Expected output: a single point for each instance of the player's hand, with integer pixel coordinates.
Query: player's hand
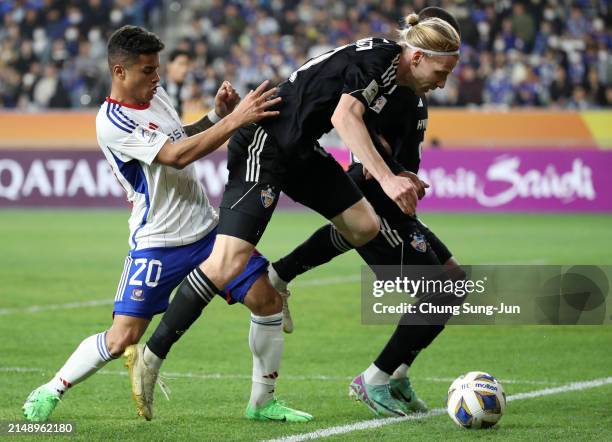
(401, 190)
(254, 107)
(418, 183)
(226, 99)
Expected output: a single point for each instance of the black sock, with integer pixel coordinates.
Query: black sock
(194, 293)
(405, 344)
(324, 245)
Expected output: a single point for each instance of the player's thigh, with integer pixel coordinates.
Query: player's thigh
(248, 286)
(253, 187)
(228, 259)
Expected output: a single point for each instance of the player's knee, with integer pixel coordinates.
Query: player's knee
(262, 299)
(224, 270)
(362, 231)
(267, 305)
(118, 340)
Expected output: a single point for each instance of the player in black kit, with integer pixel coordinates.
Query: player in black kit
(333, 90)
(397, 123)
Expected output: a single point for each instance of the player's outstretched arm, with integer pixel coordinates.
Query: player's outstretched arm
(253, 108)
(348, 121)
(226, 100)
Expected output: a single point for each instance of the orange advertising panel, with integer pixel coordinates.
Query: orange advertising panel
(448, 128)
(527, 129)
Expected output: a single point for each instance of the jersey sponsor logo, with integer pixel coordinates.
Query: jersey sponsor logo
(267, 197)
(418, 243)
(422, 124)
(420, 102)
(370, 92)
(147, 135)
(137, 295)
(379, 104)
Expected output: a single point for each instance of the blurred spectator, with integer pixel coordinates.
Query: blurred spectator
(560, 88)
(523, 25)
(514, 53)
(174, 81)
(471, 86)
(49, 92)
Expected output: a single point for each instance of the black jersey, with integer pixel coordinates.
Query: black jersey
(365, 69)
(400, 116)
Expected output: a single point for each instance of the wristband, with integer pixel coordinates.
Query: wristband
(213, 117)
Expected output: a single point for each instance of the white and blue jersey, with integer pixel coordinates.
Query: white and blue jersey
(170, 207)
(172, 225)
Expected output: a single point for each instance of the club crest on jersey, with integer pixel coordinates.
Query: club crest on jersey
(419, 243)
(137, 295)
(267, 197)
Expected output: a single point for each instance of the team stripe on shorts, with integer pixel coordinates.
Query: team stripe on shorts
(254, 149)
(124, 278)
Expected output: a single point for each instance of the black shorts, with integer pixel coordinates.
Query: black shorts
(438, 247)
(408, 243)
(258, 172)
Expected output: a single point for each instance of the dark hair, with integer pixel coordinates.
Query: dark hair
(177, 53)
(434, 11)
(128, 42)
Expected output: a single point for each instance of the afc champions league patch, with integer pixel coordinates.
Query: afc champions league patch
(267, 197)
(419, 243)
(379, 104)
(137, 295)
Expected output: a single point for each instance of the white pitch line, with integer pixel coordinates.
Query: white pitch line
(226, 376)
(375, 423)
(99, 302)
(49, 307)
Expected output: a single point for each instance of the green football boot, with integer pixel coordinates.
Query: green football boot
(276, 410)
(376, 397)
(40, 404)
(406, 396)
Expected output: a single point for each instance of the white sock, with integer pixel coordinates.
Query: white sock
(400, 372)
(89, 357)
(375, 376)
(266, 342)
(151, 359)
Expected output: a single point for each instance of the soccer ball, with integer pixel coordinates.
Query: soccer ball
(476, 400)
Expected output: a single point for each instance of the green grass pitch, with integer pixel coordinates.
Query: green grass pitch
(59, 257)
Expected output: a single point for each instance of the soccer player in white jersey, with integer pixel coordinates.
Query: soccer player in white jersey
(172, 227)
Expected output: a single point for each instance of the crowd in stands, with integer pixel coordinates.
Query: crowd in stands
(542, 53)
